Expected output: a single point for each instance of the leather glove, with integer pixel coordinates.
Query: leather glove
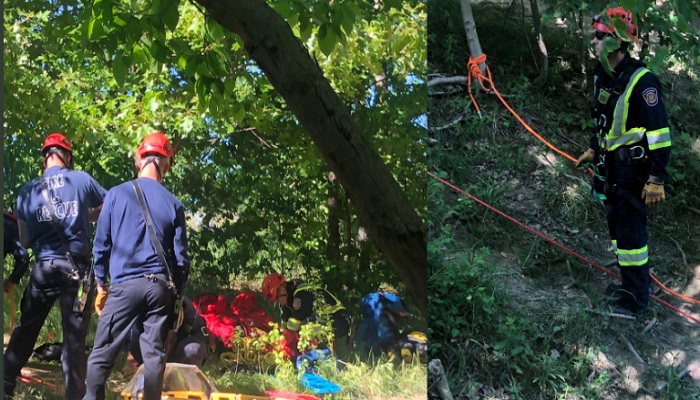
(100, 300)
(653, 193)
(587, 156)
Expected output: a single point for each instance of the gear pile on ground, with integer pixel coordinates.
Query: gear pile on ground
(224, 319)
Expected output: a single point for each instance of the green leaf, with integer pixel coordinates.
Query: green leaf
(91, 28)
(120, 67)
(499, 346)
(215, 30)
(139, 55)
(628, 4)
(238, 112)
(134, 28)
(118, 21)
(305, 29)
(171, 16)
(326, 39)
(348, 20)
(285, 9)
(215, 63)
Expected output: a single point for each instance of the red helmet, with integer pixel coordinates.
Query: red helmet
(57, 140)
(270, 285)
(155, 143)
(619, 13)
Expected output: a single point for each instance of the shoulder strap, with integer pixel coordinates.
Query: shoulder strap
(152, 233)
(56, 224)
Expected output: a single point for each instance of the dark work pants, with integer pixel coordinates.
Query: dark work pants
(48, 281)
(629, 226)
(137, 300)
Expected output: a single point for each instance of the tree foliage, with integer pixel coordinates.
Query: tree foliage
(106, 72)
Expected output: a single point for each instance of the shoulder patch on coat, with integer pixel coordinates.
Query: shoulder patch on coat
(651, 96)
(297, 303)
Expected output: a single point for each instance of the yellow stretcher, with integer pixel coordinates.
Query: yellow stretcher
(183, 382)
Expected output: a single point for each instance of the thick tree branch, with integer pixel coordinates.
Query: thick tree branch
(383, 207)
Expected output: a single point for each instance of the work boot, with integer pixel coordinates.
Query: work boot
(617, 307)
(614, 292)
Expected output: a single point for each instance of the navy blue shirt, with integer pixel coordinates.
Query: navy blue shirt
(73, 194)
(122, 247)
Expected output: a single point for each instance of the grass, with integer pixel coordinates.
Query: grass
(361, 377)
(381, 379)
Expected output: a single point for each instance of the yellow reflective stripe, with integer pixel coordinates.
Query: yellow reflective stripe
(617, 136)
(659, 139)
(633, 258)
(294, 324)
(622, 106)
(614, 244)
(634, 135)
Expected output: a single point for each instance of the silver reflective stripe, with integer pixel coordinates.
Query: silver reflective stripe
(633, 258)
(615, 137)
(659, 138)
(634, 135)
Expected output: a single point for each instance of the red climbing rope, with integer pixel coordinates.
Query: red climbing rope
(475, 73)
(552, 241)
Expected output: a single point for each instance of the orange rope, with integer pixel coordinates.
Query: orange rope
(679, 295)
(475, 73)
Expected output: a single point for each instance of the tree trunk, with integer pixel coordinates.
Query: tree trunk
(390, 218)
(472, 36)
(333, 241)
(363, 260)
(581, 42)
(544, 58)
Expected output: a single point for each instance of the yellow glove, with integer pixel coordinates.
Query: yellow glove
(100, 300)
(587, 156)
(653, 193)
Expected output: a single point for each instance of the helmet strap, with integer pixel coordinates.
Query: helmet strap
(152, 160)
(52, 152)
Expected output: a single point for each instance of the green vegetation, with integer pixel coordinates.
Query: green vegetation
(379, 379)
(510, 312)
(263, 192)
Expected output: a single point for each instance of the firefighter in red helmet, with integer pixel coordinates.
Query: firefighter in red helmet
(141, 266)
(53, 216)
(630, 149)
(303, 303)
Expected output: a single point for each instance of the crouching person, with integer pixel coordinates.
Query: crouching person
(191, 346)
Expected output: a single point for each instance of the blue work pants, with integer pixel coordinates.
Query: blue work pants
(629, 227)
(138, 300)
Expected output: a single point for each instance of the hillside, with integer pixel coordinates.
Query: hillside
(514, 316)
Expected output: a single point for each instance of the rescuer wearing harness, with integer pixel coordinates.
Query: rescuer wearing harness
(14, 247)
(53, 214)
(304, 303)
(141, 290)
(630, 148)
(193, 339)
